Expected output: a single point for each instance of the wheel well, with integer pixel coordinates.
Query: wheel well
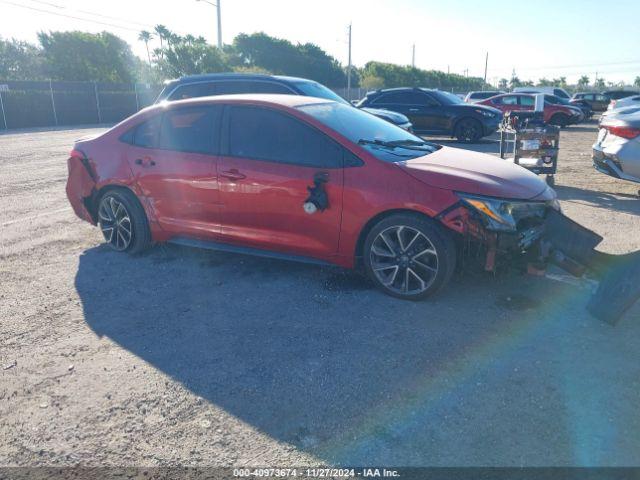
(94, 200)
(455, 125)
(374, 220)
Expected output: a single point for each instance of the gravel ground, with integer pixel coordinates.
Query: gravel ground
(187, 357)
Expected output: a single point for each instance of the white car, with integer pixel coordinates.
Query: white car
(632, 101)
(557, 91)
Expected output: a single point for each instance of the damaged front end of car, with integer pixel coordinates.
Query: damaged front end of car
(534, 234)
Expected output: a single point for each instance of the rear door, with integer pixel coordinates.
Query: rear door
(505, 103)
(173, 158)
(526, 102)
(424, 112)
(599, 103)
(270, 159)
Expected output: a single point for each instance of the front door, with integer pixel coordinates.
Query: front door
(270, 160)
(173, 158)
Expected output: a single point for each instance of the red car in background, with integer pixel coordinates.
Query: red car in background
(554, 114)
(309, 179)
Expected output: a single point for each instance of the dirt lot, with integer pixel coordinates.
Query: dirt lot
(200, 358)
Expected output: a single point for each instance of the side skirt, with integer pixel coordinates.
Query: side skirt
(257, 252)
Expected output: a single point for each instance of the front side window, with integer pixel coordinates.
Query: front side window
(192, 129)
(263, 134)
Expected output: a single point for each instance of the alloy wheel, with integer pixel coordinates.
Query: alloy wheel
(468, 130)
(115, 223)
(404, 260)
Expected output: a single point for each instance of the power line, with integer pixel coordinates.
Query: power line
(6, 2)
(94, 14)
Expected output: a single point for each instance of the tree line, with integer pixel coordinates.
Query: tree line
(104, 57)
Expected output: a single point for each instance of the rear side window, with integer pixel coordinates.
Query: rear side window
(192, 129)
(403, 98)
(262, 134)
(527, 101)
(510, 100)
(146, 134)
(193, 90)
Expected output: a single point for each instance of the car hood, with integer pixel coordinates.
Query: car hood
(395, 117)
(476, 106)
(475, 173)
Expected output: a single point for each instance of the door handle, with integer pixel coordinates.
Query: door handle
(145, 162)
(232, 174)
(414, 110)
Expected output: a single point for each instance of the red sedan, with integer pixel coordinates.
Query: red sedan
(303, 178)
(554, 114)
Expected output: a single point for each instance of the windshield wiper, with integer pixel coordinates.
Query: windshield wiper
(407, 144)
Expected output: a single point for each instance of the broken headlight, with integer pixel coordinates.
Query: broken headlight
(507, 215)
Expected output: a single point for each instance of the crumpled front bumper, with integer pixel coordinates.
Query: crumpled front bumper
(561, 241)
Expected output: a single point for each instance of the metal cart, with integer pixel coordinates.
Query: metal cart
(533, 144)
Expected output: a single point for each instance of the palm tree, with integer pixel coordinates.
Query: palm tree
(145, 37)
(162, 32)
(583, 81)
(636, 82)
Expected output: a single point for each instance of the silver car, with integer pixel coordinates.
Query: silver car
(630, 101)
(620, 112)
(617, 150)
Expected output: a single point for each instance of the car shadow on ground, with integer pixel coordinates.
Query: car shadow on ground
(617, 202)
(317, 358)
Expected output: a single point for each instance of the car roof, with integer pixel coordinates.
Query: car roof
(291, 101)
(235, 76)
(402, 89)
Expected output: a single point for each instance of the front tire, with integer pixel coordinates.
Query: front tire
(409, 256)
(468, 130)
(123, 222)
(559, 120)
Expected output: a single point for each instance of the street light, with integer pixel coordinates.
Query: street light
(217, 5)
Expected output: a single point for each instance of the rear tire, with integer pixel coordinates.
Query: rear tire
(468, 130)
(123, 221)
(409, 256)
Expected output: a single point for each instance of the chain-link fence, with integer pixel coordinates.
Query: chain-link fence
(25, 104)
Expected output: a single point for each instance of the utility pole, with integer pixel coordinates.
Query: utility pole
(413, 56)
(349, 68)
(217, 5)
(486, 64)
(219, 25)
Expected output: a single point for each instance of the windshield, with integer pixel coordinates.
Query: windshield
(556, 100)
(313, 89)
(447, 98)
(382, 139)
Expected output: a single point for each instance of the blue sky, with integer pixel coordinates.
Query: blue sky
(543, 38)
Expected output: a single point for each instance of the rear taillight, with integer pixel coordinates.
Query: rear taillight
(77, 154)
(624, 132)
